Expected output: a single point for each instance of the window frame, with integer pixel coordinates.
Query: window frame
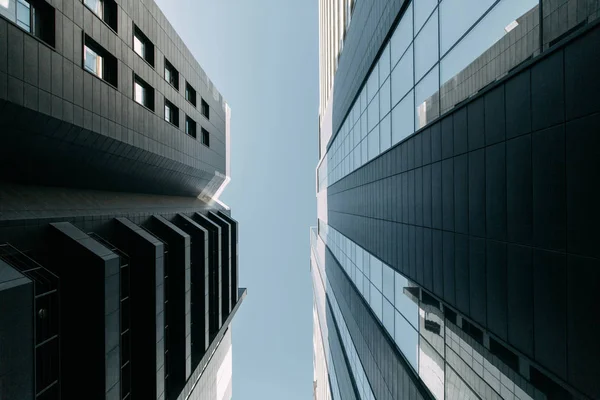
(173, 113)
(189, 122)
(190, 88)
(173, 73)
(205, 137)
(147, 94)
(205, 109)
(147, 50)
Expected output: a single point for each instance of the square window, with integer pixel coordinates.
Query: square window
(205, 138)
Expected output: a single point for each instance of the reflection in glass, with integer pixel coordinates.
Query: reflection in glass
(384, 64)
(373, 113)
(423, 9)
(92, 61)
(388, 317)
(372, 84)
(403, 121)
(456, 388)
(139, 46)
(402, 76)
(426, 47)
(454, 24)
(388, 283)
(384, 99)
(407, 339)
(431, 369)
(405, 302)
(376, 302)
(373, 139)
(376, 272)
(487, 32)
(402, 35)
(385, 133)
(24, 15)
(427, 99)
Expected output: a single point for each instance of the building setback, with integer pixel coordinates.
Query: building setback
(118, 263)
(455, 252)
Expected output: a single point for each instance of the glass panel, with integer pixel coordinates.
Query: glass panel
(24, 15)
(491, 29)
(403, 121)
(431, 323)
(423, 9)
(456, 388)
(402, 36)
(373, 84)
(139, 47)
(503, 39)
(376, 302)
(402, 77)
(454, 24)
(384, 64)
(427, 99)
(95, 6)
(363, 151)
(388, 317)
(405, 301)
(363, 125)
(376, 272)
(139, 93)
(426, 47)
(92, 61)
(431, 369)
(373, 113)
(388, 283)
(384, 99)
(407, 339)
(385, 133)
(167, 113)
(373, 143)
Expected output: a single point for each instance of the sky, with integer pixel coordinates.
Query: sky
(262, 55)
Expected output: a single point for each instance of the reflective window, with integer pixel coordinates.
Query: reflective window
(426, 47)
(143, 93)
(454, 24)
(24, 15)
(373, 83)
(423, 9)
(402, 36)
(388, 283)
(427, 99)
(385, 133)
(403, 121)
(384, 64)
(190, 126)
(388, 317)
(376, 302)
(373, 113)
(95, 6)
(402, 77)
(139, 46)
(491, 29)
(384, 99)
(376, 272)
(363, 125)
(373, 139)
(431, 369)
(92, 61)
(407, 339)
(405, 301)
(363, 151)
(205, 137)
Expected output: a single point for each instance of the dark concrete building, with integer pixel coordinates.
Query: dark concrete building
(118, 263)
(455, 255)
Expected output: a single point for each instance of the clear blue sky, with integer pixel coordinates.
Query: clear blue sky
(263, 57)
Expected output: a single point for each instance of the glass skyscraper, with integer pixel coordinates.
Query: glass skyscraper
(455, 252)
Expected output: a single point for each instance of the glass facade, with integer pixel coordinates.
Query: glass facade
(435, 59)
(451, 360)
